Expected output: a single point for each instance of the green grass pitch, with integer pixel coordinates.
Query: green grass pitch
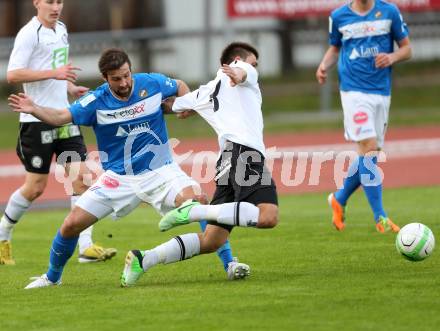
(305, 275)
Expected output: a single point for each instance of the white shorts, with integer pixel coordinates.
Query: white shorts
(120, 194)
(365, 116)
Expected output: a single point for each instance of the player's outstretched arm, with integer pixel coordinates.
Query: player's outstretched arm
(328, 61)
(167, 107)
(22, 103)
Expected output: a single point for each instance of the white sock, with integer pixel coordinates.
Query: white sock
(239, 214)
(177, 249)
(85, 237)
(204, 212)
(16, 207)
(5, 228)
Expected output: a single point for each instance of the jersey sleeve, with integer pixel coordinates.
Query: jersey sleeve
(24, 45)
(335, 36)
(83, 110)
(251, 72)
(185, 102)
(399, 28)
(168, 86)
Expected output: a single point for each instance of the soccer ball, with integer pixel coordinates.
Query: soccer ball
(415, 241)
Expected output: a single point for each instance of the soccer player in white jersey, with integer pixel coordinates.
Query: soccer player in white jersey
(131, 133)
(362, 36)
(39, 60)
(246, 194)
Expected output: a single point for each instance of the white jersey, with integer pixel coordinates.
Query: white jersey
(233, 112)
(39, 48)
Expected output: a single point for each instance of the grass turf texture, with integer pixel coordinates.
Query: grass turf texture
(305, 275)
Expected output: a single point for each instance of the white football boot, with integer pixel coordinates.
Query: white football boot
(237, 270)
(41, 281)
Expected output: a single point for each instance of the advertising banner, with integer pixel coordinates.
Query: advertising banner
(302, 8)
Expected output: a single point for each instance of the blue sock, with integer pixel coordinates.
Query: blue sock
(351, 183)
(372, 183)
(224, 252)
(61, 251)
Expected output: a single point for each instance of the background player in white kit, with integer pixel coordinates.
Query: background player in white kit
(246, 194)
(362, 36)
(39, 60)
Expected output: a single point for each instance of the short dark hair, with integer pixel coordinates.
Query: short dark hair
(243, 50)
(112, 59)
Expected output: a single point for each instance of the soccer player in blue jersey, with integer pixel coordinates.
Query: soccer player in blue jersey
(362, 36)
(128, 121)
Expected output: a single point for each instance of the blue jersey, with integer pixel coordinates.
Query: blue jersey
(360, 39)
(131, 135)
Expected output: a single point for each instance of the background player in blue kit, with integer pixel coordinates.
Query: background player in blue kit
(127, 118)
(362, 36)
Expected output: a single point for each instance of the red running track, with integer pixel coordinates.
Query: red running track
(404, 167)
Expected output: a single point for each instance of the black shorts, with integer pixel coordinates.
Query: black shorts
(242, 176)
(38, 142)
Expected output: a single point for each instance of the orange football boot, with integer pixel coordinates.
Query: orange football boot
(386, 225)
(338, 212)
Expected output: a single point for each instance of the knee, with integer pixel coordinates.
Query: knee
(34, 191)
(70, 226)
(210, 244)
(368, 146)
(268, 219)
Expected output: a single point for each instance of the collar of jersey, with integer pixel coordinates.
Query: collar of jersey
(362, 15)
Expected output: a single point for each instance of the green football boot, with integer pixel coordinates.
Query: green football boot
(178, 216)
(133, 268)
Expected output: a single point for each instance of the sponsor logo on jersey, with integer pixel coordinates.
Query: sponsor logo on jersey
(60, 57)
(109, 182)
(365, 29)
(128, 112)
(137, 110)
(360, 117)
(364, 52)
(128, 129)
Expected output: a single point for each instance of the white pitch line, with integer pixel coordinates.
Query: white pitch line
(394, 149)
